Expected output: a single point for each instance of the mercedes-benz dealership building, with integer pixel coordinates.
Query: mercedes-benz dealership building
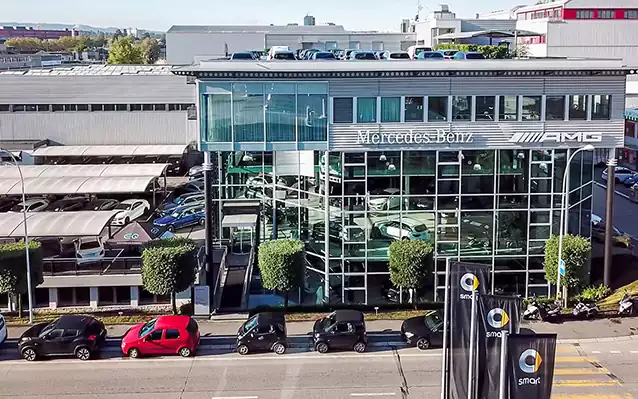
(351, 156)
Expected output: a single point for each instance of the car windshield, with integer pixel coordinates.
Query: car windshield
(400, 56)
(474, 56)
(250, 324)
(147, 327)
(124, 207)
(432, 55)
(90, 245)
(433, 321)
(324, 56)
(176, 214)
(420, 228)
(284, 56)
(365, 56)
(449, 53)
(242, 56)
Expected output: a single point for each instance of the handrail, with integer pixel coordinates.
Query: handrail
(248, 278)
(219, 287)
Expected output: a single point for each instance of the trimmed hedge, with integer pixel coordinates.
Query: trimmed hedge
(282, 265)
(410, 263)
(13, 267)
(329, 308)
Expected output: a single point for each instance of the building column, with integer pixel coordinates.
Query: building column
(53, 298)
(135, 296)
(93, 297)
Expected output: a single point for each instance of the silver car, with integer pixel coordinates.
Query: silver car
(388, 199)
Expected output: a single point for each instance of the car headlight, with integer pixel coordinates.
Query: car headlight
(409, 334)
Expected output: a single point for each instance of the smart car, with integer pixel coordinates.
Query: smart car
(423, 331)
(342, 329)
(165, 335)
(263, 332)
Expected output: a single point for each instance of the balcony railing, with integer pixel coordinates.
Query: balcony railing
(71, 267)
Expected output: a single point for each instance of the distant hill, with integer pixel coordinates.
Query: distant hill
(86, 28)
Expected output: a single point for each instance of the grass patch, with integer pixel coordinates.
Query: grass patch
(611, 302)
(369, 316)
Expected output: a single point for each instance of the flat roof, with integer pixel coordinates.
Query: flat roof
(76, 185)
(239, 221)
(496, 34)
(120, 170)
(109, 150)
(395, 68)
(56, 224)
(93, 70)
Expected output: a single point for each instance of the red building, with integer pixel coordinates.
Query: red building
(11, 32)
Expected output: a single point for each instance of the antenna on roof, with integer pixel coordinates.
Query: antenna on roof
(419, 7)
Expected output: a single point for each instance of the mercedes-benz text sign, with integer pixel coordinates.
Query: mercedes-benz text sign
(556, 137)
(439, 136)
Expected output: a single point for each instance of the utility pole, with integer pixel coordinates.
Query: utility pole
(609, 214)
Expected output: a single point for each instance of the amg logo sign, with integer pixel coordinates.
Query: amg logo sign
(556, 137)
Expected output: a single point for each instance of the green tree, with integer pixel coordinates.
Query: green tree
(13, 269)
(282, 265)
(410, 265)
(125, 51)
(29, 44)
(150, 50)
(576, 251)
(169, 266)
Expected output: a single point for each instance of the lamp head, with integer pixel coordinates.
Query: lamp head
(588, 147)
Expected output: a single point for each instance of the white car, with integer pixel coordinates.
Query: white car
(404, 229)
(622, 174)
(389, 199)
(31, 205)
(89, 249)
(3, 330)
(130, 210)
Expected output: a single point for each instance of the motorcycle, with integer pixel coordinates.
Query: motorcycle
(533, 311)
(626, 305)
(583, 309)
(553, 312)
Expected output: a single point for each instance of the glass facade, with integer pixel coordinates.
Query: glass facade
(495, 207)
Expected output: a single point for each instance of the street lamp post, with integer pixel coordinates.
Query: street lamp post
(26, 235)
(563, 216)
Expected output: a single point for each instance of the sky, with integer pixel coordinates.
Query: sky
(160, 15)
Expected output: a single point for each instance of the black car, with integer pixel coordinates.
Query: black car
(79, 336)
(261, 333)
(342, 329)
(101, 205)
(423, 331)
(7, 203)
(68, 205)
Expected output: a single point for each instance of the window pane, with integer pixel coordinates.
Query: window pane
(83, 107)
(578, 107)
(248, 111)
(109, 107)
(476, 233)
(531, 108)
(390, 109)
(366, 109)
(343, 109)
(280, 112)
(555, 108)
(147, 107)
(172, 334)
(511, 232)
(437, 109)
(56, 107)
(312, 118)
(508, 108)
(218, 118)
(414, 109)
(461, 108)
(485, 107)
(158, 107)
(601, 107)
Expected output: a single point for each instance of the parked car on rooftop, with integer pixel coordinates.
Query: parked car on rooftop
(7, 203)
(68, 204)
(430, 55)
(242, 56)
(414, 51)
(395, 55)
(101, 205)
(323, 55)
(130, 210)
(284, 56)
(468, 55)
(448, 54)
(360, 55)
(182, 217)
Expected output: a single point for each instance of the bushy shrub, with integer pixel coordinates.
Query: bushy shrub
(410, 264)
(492, 52)
(282, 265)
(576, 251)
(595, 293)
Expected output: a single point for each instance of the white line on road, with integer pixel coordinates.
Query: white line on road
(596, 352)
(235, 397)
(633, 351)
(374, 394)
(615, 352)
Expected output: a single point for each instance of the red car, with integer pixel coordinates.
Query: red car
(165, 335)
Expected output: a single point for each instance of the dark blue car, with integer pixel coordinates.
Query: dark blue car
(182, 217)
(188, 199)
(630, 181)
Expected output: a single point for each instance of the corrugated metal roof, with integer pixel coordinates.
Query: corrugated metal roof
(92, 70)
(109, 150)
(402, 66)
(56, 224)
(292, 29)
(29, 171)
(76, 185)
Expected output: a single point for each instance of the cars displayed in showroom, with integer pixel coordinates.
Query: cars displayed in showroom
(183, 200)
(130, 210)
(620, 174)
(182, 217)
(164, 335)
(263, 332)
(342, 329)
(386, 199)
(101, 205)
(335, 231)
(68, 335)
(31, 205)
(403, 229)
(424, 331)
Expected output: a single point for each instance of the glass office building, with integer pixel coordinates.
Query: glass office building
(349, 157)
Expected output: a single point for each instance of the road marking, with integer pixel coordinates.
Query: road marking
(633, 351)
(596, 352)
(581, 371)
(575, 359)
(235, 397)
(374, 394)
(585, 383)
(615, 352)
(592, 396)
(566, 349)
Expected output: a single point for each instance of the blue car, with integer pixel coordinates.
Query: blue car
(630, 181)
(182, 217)
(184, 200)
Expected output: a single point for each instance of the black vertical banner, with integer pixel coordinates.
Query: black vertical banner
(531, 365)
(497, 314)
(464, 279)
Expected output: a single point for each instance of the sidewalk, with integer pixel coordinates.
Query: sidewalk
(584, 331)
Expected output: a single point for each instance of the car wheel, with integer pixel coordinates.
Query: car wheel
(134, 353)
(321, 347)
(242, 350)
(279, 348)
(405, 239)
(185, 352)
(202, 221)
(617, 180)
(360, 347)
(170, 228)
(83, 353)
(423, 344)
(29, 354)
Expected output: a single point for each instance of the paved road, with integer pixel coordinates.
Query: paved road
(624, 210)
(590, 371)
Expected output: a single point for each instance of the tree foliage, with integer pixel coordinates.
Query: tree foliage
(169, 266)
(410, 263)
(65, 43)
(493, 52)
(13, 267)
(576, 251)
(282, 265)
(150, 49)
(124, 51)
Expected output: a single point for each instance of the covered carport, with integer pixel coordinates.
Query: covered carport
(56, 224)
(491, 34)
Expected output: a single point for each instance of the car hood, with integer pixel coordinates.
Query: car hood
(164, 220)
(34, 331)
(132, 334)
(120, 215)
(169, 206)
(378, 201)
(414, 324)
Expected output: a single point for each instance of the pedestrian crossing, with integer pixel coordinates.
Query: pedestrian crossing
(579, 375)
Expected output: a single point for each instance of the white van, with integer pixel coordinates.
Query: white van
(276, 49)
(89, 249)
(414, 51)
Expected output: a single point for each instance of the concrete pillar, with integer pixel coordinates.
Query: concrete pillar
(135, 296)
(53, 298)
(93, 297)
(13, 303)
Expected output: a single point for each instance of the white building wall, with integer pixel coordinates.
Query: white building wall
(594, 4)
(427, 31)
(182, 48)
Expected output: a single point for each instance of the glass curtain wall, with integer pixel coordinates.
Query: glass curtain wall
(486, 206)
